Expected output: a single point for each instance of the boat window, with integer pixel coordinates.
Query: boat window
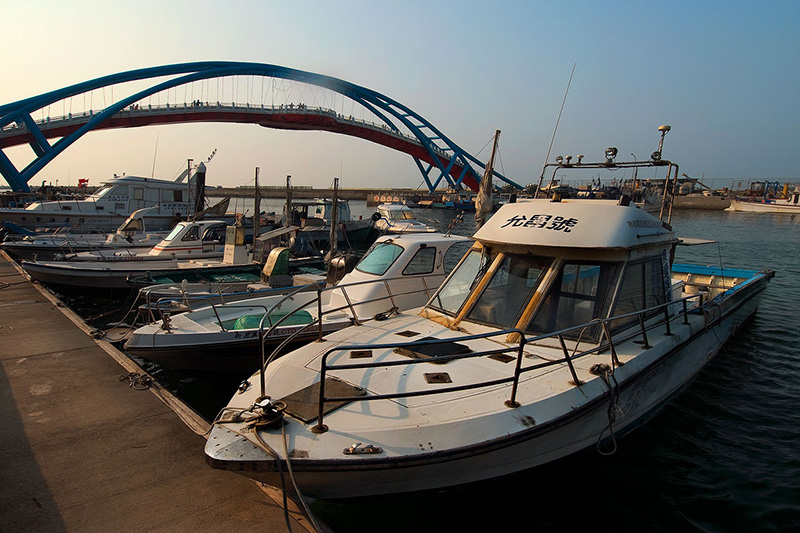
(192, 235)
(138, 193)
(422, 262)
(512, 285)
(452, 294)
(214, 233)
(173, 195)
(580, 294)
(102, 192)
(454, 254)
(379, 258)
(403, 214)
(174, 233)
(642, 287)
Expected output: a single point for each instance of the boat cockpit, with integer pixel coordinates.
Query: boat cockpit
(539, 289)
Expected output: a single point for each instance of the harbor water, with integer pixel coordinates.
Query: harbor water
(724, 455)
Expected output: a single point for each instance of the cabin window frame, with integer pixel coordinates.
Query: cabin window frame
(654, 281)
(494, 275)
(372, 249)
(485, 260)
(552, 298)
(432, 260)
(192, 234)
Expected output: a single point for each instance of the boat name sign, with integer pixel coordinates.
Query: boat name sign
(540, 221)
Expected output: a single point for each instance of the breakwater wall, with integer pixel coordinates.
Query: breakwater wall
(372, 196)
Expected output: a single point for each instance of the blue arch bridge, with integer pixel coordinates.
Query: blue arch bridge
(268, 95)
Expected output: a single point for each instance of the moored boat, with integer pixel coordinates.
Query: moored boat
(110, 205)
(397, 273)
(133, 234)
(196, 239)
(788, 205)
(564, 326)
(399, 218)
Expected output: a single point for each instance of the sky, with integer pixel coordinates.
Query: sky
(723, 74)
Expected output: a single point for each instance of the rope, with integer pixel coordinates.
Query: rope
(103, 334)
(606, 372)
(272, 453)
(309, 514)
(252, 424)
(137, 381)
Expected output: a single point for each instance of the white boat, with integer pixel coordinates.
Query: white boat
(563, 327)
(399, 218)
(396, 273)
(133, 234)
(109, 206)
(190, 246)
(791, 204)
(193, 239)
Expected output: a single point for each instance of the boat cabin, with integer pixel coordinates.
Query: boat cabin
(411, 266)
(126, 194)
(192, 237)
(542, 266)
(318, 212)
(399, 218)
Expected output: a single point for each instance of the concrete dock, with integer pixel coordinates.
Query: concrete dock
(82, 450)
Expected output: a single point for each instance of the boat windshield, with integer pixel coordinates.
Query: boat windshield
(102, 192)
(403, 214)
(505, 297)
(454, 291)
(174, 233)
(379, 258)
(580, 294)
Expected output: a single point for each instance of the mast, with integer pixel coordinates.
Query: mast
(287, 218)
(334, 219)
(257, 213)
(483, 203)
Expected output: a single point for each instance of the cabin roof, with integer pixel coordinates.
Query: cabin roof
(430, 239)
(141, 179)
(574, 224)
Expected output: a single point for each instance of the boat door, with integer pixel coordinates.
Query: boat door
(137, 199)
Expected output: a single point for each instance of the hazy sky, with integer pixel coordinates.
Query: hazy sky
(723, 74)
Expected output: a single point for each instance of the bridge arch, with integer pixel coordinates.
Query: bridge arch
(398, 126)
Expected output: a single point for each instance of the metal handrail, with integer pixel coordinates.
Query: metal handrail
(324, 367)
(629, 332)
(320, 313)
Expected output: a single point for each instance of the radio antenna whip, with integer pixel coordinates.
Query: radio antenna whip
(553, 138)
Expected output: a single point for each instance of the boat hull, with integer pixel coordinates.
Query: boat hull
(239, 354)
(644, 387)
(759, 207)
(107, 222)
(106, 277)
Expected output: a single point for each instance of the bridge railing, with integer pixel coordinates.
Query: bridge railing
(149, 109)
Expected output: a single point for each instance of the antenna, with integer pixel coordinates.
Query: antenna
(553, 138)
(152, 174)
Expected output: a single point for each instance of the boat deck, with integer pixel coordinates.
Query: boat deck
(81, 450)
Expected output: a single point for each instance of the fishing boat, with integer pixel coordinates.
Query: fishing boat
(187, 240)
(787, 202)
(397, 273)
(191, 247)
(564, 326)
(133, 234)
(399, 218)
(111, 204)
(314, 219)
